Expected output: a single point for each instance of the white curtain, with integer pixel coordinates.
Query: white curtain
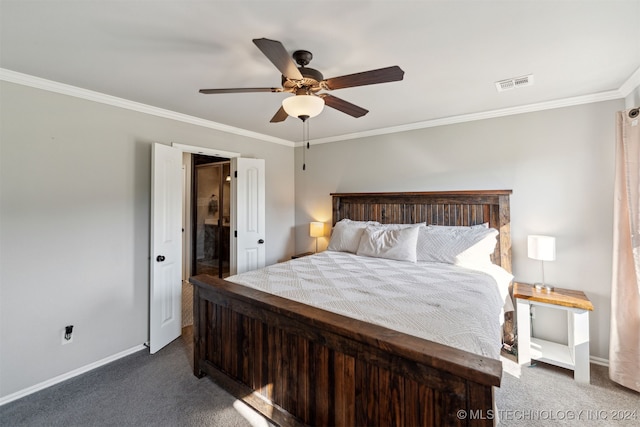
(624, 348)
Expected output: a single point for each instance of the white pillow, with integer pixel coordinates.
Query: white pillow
(398, 243)
(346, 234)
(453, 245)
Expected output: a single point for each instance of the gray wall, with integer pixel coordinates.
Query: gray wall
(559, 164)
(74, 226)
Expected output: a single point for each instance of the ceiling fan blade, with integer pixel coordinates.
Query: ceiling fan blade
(241, 90)
(344, 106)
(278, 55)
(381, 75)
(280, 116)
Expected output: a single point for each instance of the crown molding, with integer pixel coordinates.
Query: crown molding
(27, 80)
(65, 89)
(547, 105)
(631, 84)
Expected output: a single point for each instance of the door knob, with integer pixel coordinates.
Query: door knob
(261, 241)
(160, 258)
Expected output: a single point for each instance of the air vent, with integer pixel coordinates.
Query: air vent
(514, 83)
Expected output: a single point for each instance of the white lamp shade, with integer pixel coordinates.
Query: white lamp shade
(303, 105)
(541, 247)
(316, 229)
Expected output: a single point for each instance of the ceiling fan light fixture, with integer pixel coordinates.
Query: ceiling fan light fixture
(303, 105)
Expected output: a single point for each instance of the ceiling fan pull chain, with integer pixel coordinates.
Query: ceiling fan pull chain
(305, 141)
(304, 154)
(307, 123)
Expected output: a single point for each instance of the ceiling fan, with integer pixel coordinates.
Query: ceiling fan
(306, 82)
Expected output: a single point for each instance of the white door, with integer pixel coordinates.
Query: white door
(165, 316)
(248, 229)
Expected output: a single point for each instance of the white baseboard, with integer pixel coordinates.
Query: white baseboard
(60, 378)
(599, 361)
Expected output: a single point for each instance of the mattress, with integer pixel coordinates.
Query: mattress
(449, 304)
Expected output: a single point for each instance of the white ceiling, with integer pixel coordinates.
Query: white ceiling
(160, 53)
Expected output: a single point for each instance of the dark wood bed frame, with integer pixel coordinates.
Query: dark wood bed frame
(301, 365)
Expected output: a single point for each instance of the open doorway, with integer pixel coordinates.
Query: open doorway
(210, 215)
(206, 222)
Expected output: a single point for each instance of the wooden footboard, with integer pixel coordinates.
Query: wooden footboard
(300, 365)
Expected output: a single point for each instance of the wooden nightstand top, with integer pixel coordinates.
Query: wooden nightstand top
(558, 296)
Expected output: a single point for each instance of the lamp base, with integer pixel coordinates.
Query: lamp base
(543, 287)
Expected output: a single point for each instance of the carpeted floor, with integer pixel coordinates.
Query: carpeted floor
(138, 390)
(544, 395)
(160, 390)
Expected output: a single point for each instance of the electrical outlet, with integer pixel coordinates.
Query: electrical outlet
(67, 334)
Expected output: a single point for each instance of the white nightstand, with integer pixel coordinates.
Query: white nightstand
(573, 356)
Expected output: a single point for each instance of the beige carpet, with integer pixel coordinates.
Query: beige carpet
(544, 395)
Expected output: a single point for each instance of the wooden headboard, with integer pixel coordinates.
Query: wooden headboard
(433, 207)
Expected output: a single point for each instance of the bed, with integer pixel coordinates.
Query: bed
(299, 364)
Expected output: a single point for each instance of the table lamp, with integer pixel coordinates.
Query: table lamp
(316, 229)
(542, 248)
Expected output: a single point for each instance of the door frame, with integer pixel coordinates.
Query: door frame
(186, 197)
(214, 152)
